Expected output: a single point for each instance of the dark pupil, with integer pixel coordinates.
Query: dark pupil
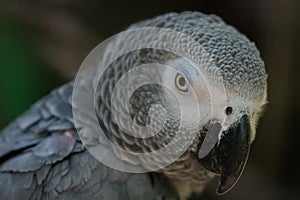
(228, 110)
(181, 81)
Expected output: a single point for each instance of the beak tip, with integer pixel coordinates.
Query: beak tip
(221, 191)
(225, 185)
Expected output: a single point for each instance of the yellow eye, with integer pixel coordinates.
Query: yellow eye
(181, 82)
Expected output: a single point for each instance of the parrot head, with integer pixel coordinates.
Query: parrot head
(214, 103)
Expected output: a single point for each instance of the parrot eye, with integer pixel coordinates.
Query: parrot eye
(228, 110)
(181, 83)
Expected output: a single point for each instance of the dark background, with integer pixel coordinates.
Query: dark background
(43, 42)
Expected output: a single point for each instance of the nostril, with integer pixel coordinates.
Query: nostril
(228, 110)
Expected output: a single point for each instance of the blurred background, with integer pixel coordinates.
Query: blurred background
(43, 42)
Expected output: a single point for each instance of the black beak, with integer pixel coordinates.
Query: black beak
(228, 158)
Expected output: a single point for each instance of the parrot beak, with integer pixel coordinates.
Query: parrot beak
(229, 156)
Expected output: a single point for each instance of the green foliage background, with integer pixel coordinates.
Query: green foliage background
(23, 78)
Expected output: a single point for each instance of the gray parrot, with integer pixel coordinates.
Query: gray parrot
(43, 156)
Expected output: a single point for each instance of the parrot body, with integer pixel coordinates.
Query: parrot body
(43, 157)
